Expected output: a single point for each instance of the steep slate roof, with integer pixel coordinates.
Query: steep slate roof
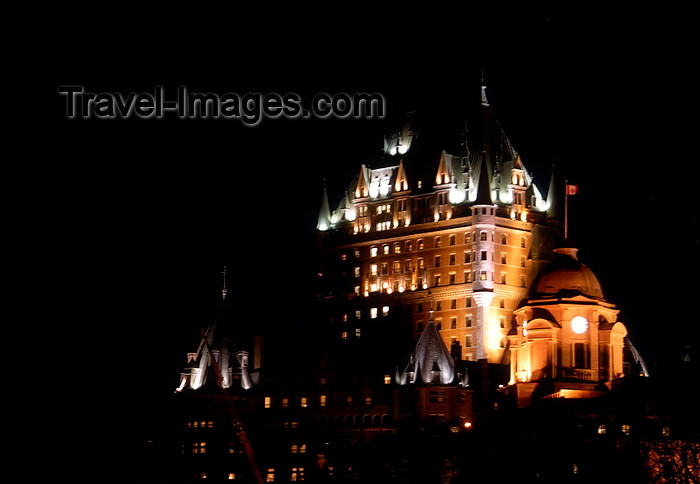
(430, 362)
(230, 345)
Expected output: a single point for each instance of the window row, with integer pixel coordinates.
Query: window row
(295, 474)
(437, 280)
(409, 265)
(438, 242)
(327, 400)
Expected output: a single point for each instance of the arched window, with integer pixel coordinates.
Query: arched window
(483, 236)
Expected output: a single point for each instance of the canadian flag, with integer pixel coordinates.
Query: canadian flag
(571, 189)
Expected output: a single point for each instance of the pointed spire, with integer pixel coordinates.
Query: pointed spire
(362, 188)
(552, 205)
(401, 183)
(484, 101)
(223, 289)
(483, 195)
(443, 173)
(324, 214)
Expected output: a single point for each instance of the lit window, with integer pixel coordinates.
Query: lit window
(356, 253)
(368, 399)
(304, 402)
(385, 249)
(297, 474)
(387, 379)
(438, 242)
(625, 429)
(373, 251)
(357, 272)
(358, 314)
(397, 248)
(294, 449)
(358, 332)
(285, 402)
(270, 477)
(602, 429)
(467, 237)
(231, 476)
(268, 402)
(467, 276)
(373, 269)
(482, 275)
(483, 235)
(373, 313)
(322, 400)
(199, 447)
(420, 244)
(344, 335)
(385, 310)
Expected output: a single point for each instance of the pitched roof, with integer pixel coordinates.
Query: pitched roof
(430, 362)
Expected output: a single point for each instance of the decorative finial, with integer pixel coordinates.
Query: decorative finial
(484, 101)
(223, 289)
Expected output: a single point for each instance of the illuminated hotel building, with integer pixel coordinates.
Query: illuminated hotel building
(464, 240)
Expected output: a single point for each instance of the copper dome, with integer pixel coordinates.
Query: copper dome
(566, 275)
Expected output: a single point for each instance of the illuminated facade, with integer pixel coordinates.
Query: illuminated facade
(464, 241)
(566, 342)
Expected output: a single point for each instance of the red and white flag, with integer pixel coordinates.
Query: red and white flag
(571, 189)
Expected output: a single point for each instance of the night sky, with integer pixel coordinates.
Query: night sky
(129, 222)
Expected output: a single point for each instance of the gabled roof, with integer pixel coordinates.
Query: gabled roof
(324, 214)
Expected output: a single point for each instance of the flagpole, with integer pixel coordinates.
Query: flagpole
(566, 209)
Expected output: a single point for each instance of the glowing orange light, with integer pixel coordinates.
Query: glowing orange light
(467, 425)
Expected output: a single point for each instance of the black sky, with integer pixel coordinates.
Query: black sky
(130, 221)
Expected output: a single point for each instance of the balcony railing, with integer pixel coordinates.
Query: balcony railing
(579, 373)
